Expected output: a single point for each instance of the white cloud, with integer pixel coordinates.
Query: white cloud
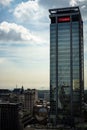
(5, 2)
(36, 11)
(73, 2)
(81, 3)
(16, 33)
(29, 11)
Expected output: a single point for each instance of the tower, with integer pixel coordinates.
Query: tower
(66, 64)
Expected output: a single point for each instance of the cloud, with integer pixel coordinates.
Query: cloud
(5, 2)
(11, 32)
(73, 2)
(76, 2)
(81, 3)
(35, 17)
(36, 11)
(30, 11)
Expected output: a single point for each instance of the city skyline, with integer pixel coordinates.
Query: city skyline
(24, 41)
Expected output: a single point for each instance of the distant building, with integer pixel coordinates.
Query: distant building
(30, 98)
(43, 94)
(66, 64)
(9, 116)
(4, 95)
(47, 96)
(17, 95)
(18, 90)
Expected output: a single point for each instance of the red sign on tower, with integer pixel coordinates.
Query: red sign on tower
(64, 19)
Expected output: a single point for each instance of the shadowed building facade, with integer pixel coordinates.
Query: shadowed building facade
(9, 116)
(66, 64)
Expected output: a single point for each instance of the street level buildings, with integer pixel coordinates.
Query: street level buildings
(66, 64)
(9, 116)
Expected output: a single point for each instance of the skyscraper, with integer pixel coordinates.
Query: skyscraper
(66, 64)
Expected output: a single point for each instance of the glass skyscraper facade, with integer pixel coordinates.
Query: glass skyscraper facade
(66, 64)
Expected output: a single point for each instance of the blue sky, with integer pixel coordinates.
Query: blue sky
(24, 41)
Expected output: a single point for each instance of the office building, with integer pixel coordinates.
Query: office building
(46, 96)
(9, 116)
(4, 95)
(30, 98)
(66, 64)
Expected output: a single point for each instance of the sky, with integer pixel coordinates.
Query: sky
(24, 41)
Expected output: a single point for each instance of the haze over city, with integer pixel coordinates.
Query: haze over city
(25, 42)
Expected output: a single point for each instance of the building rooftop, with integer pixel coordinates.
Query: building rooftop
(5, 91)
(64, 10)
(7, 103)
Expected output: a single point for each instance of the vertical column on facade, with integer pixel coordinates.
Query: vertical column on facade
(71, 70)
(56, 69)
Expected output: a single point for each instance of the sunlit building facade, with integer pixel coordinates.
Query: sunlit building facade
(30, 98)
(66, 64)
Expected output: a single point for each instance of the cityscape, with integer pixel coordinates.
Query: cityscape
(28, 109)
(53, 97)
